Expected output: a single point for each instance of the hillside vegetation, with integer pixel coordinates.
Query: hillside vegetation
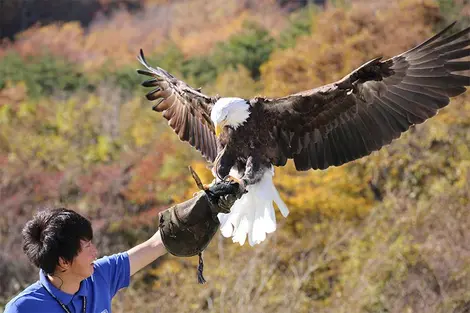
(386, 233)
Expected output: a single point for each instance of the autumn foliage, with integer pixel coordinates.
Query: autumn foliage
(386, 233)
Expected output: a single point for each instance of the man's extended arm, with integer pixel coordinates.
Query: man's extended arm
(145, 253)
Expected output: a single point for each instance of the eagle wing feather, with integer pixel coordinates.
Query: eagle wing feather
(340, 122)
(186, 109)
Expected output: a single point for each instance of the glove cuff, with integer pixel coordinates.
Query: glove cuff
(187, 228)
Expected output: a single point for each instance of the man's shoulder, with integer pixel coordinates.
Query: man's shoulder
(104, 263)
(27, 300)
(112, 270)
(118, 257)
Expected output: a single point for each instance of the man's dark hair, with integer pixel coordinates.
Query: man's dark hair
(52, 234)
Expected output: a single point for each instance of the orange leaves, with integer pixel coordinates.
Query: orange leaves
(64, 40)
(335, 49)
(162, 175)
(119, 39)
(145, 181)
(195, 26)
(201, 38)
(12, 94)
(199, 24)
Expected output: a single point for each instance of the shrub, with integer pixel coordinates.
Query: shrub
(42, 74)
(300, 23)
(250, 48)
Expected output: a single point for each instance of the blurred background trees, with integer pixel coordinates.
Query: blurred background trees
(387, 233)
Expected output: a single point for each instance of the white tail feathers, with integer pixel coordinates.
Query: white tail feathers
(253, 214)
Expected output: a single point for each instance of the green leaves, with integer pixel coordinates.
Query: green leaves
(42, 74)
(300, 23)
(199, 71)
(250, 48)
(126, 77)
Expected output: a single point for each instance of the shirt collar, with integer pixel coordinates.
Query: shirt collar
(83, 291)
(64, 297)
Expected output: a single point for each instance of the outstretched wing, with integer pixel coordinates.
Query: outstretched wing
(368, 108)
(186, 109)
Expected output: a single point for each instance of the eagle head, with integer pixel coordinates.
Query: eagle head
(231, 112)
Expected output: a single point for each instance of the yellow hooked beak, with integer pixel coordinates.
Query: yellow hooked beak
(219, 128)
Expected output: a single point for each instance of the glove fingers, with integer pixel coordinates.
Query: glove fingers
(224, 188)
(226, 202)
(224, 206)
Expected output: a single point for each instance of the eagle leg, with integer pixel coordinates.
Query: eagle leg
(254, 171)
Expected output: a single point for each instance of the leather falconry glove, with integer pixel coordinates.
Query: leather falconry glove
(187, 228)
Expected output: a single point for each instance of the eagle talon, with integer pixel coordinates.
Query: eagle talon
(231, 179)
(241, 182)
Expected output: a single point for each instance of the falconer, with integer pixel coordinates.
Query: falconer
(71, 277)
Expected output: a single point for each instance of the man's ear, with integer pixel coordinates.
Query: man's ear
(63, 264)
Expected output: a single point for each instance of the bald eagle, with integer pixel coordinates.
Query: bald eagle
(245, 139)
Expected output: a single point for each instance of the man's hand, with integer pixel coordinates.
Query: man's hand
(222, 194)
(187, 228)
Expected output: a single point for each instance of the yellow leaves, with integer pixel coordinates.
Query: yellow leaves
(289, 71)
(463, 172)
(66, 114)
(200, 167)
(149, 125)
(235, 83)
(204, 173)
(100, 152)
(418, 10)
(92, 102)
(26, 109)
(142, 134)
(379, 256)
(457, 112)
(171, 266)
(335, 192)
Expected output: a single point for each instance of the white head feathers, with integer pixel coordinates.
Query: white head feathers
(231, 112)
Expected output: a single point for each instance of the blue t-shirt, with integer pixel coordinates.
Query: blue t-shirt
(110, 274)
